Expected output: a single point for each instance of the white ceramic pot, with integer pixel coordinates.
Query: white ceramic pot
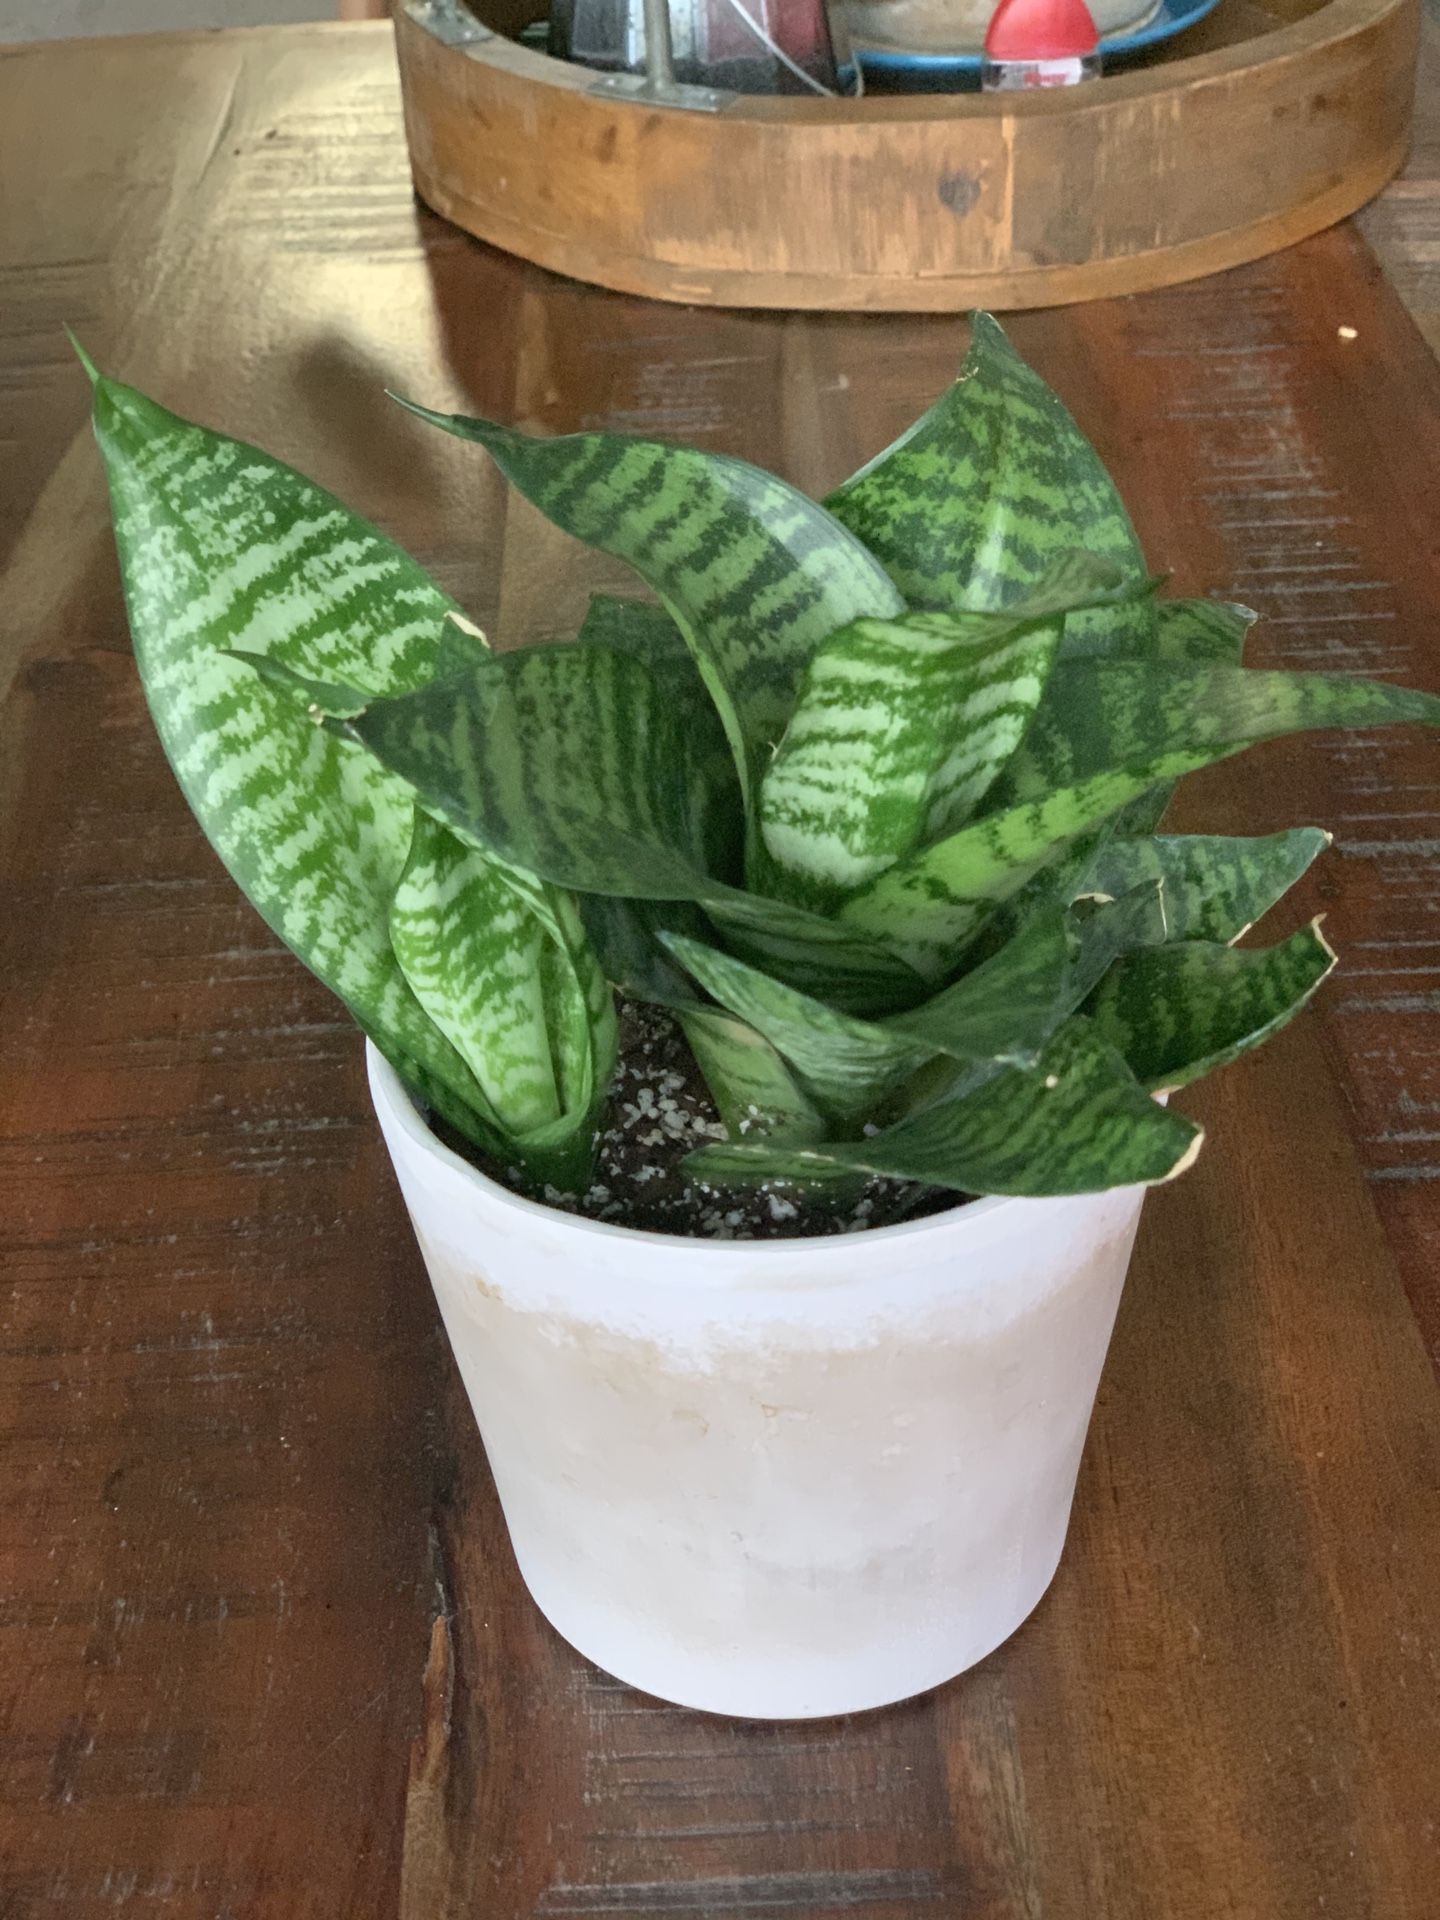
(778, 1479)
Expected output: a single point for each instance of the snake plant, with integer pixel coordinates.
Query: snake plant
(866, 795)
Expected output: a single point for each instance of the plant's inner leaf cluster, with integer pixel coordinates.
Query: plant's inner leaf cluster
(867, 801)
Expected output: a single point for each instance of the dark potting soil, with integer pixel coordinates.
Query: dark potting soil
(661, 1110)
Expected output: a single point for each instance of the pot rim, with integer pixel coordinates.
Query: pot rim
(386, 1085)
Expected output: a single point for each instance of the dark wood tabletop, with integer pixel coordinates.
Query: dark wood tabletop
(263, 1648)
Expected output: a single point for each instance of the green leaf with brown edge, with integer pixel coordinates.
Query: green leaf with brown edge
(1076, 1122)
(1215, 885)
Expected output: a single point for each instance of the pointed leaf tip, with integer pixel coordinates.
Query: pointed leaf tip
(83, 357)
(432, 416)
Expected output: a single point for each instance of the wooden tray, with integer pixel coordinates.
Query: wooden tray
(1277, 120)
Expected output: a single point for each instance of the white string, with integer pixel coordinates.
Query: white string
(784, 58)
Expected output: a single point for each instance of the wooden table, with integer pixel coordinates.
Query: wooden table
(263, 1647)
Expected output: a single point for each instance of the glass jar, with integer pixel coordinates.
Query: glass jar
(740, 46)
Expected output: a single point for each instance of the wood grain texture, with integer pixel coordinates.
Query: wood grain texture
(1403, 225)
(263, 1649)
(918, 203)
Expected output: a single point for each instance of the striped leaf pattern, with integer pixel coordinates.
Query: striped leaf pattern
(1113, 729)
(755, 574)
(1106, 731)
(926, 909)
(972, 503)
(1213, 886)
(926, 930)
(647, 632)
(518, 994)
(754, 1091)
(466, 942)
(1175, 1013)
(1104, 930)
(853, 970)
(1002, 1012)
(1187, 633)
(524, 765)
(1099, 714)
(1076, 1121)
(901, 726)
(222, 548)
(1199, 633)
(634, 626)
(577, 764)
(1007, 1007)
(847, 1065)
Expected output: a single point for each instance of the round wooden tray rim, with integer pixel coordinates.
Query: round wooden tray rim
(1297, 40)
(914, 203)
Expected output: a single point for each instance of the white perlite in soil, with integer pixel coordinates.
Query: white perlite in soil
(661, 1110)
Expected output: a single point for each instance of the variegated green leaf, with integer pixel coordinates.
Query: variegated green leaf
(928, 907)
(1178, 1012)
(1076, 1122)
(634, 626)
(972, 503)
(1103, 930)
(1201, 632)
(1006, 1008)
(525, 1006)
(1106, 731)
(460, 647)
(1185, 632)
(592, 781)
(841, 964)
(578, 764)
(755, 1093)
(901, 726)
(649, 634)
(755, 574)
(222, 547)
(517, 993)
(625, 936)
(1193, 633)
(847, 1065)
(1215, 886)
(1004, 1011)
(1100, 714)
(753, 1089)
(471, 951)
(579, 1010)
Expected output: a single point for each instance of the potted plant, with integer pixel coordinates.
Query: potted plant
(781, 1285)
